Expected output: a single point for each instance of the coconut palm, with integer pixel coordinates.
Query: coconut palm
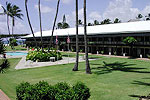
(40, 23)
(96, 22)
(77, 44)
(26, 7)
(88, 69)
(51, 39)
(15, 13)
(117, 20)
(7, 12)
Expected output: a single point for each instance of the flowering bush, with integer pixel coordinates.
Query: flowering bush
(42, 56)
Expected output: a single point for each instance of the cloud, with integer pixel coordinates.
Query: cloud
(66, 1)
(124, 10)
(44, 9)
(94, 16)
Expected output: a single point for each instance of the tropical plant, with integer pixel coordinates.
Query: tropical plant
(90, 24)
(117, 20)
(77, 40)
(2, 48)
(148, 17)
(51, 38)
(26, 7)
(12, 43)
(139, 16)
(88, 69)
(4, 65)
(80, 23)
(130, 41)
(96, 22)
(7, 11)
(106, 21)
(42, 56)
(63, 24)
(60, 91)
(39, 3)
(15, 13)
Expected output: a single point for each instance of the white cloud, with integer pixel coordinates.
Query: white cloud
(94, 16)
(124, 10)
(121, 9)
(66, 1)
(44, 9)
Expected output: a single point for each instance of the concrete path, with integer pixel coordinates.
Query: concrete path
(23, 64)
(3, 96)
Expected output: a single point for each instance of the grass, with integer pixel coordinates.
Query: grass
(19, 47)
(111, 78)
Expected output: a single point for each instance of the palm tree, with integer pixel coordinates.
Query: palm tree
(80, 22)
(139, 16)
(148, 17)
(117, 20)
(96, 22)
(7, 12)
(15, 13)
(59, 25)
(26, 7)
(88, 69)
(40, 24)
(51, 39)
(77, 44)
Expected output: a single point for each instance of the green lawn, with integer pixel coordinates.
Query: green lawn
(19, 47)
(112, 78)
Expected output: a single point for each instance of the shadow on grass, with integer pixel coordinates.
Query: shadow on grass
(117, 66)
(141, 83)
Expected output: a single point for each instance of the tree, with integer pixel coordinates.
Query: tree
(139, 16)
(117, 20)
(77, 40)
(148, 17)
(88, 69)
(63, 24)
(90, 24)
(130, 41)
(2, 48)
(80, 23)
(12, 43)
(51, 39)
(106, 21)
(59, 25)
(26, 7)
(7, 12)
(39, 3)
(96, 22)
(15, 13)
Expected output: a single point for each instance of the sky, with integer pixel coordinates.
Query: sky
(96, 10)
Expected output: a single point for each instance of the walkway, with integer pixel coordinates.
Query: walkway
(23, 64)
(3, 96)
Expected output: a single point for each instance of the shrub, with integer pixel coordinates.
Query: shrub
(44, 91)
(42, 56)
(81, 91)
(4, 65)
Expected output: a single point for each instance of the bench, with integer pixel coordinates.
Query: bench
(52, 59)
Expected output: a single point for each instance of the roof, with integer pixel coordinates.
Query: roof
(118, 28)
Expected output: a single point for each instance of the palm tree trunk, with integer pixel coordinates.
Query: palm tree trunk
(40, 25)
(30, 23)
(88, 69)
(13, 27)
(8, 27)
(8, 24)
(51, 39)
(77, 46)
